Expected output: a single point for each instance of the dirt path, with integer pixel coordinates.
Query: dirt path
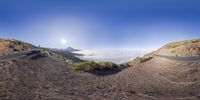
(16, 55)
(181, 58)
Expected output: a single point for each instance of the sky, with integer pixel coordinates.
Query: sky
(100, 24)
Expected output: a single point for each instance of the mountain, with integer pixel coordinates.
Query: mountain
(45, 75)
(67, 54)
(71, 49)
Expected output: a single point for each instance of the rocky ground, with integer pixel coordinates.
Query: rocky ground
(8, 46)
(181, 48)
(43, 77)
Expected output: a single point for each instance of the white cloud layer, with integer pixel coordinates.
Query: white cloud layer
(116, 56)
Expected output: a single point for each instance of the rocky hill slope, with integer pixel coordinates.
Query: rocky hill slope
(8, 46)
(181, 48)
(37, 76)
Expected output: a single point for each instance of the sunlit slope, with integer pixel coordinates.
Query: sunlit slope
(188, 48)
(13, 46)
(161, 78)
(181, 48)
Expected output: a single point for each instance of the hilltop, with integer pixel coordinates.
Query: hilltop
(46, 75)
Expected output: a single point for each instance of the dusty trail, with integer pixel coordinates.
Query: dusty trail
(181, 58)
(159, 78)
(155, 79)
(17, 55)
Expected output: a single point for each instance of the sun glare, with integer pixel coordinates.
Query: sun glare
(63, 41)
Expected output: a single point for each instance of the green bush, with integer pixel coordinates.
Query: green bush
(107, 65)
(91, 66)
(143, 59)
(18, 43)
(85, 66)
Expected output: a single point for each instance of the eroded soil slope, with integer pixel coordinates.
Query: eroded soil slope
(181, 48)
(13, 46)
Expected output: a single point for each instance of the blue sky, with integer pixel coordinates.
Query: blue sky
(100, 24)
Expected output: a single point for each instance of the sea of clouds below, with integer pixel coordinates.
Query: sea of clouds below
(116, 56)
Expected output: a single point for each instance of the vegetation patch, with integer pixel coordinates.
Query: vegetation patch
(107, 65)
(17, 50)
(89, 66)
(143, 59)
(16, 42)
(173, 51)
(45, 51)
(138, 60)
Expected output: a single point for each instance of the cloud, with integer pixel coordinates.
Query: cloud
(116, 56)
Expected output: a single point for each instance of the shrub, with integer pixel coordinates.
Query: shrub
(17, 50)
(107, 65)
(173, 51)
(85, 66)
(18, 43)
(45, 52)
(91, 66)
(143, 59)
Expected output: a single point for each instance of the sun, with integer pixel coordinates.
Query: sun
(63, 41)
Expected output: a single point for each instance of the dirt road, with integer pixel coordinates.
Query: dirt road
(181, 58)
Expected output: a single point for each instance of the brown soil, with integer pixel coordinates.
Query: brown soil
(39, 77)
(52, 78)
(13, 46)
(181, 48)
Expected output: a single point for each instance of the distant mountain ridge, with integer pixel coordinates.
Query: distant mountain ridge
(71, 49)
(67, 49)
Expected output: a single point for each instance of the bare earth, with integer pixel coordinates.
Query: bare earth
(40, 77)
(181, 48)
(37, 77)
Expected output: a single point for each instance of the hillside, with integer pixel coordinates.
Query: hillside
(181, 48)
(68, 55)
(34, 75)
(187, 48)
(160, 78)
(12, 46)
(39, 76)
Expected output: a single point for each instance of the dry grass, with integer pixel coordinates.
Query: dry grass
(12, 46)
(181, 48)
